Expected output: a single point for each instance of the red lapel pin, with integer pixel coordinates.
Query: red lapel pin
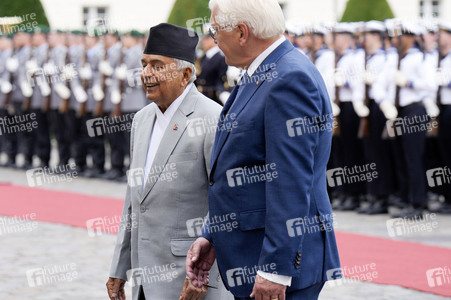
(175, 127)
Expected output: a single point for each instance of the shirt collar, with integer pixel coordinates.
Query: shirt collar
(212, 52)
(257, 62)
(170, 111)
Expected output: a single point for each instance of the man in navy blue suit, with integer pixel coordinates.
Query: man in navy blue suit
(270, 224)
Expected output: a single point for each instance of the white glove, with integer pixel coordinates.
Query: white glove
(45, 89)
(86, 72)
(442, 78)
(69, 72)
(224, 96)
(105, 68)
(49, 68)
(26, 89)
(335, 109)
(80, 94)
(97, 93)
(388, 109)
(361, 109)
(6, 87)
(62, 91)
(121, 72)
(401, 79)
(31, 66)
(12, 64)
(339, 78)
(431, 108)
(116, 97)
(369, 77)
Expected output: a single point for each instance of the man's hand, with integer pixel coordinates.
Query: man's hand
(265, 289)
(190, 292)
(115, 288)
(199, 260)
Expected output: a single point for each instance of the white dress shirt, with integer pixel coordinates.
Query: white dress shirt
(280, 279)
(161, 123)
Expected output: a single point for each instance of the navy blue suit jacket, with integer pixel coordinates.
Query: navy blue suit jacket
(268, 178)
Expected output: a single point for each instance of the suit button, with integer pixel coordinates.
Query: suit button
(211, 182)
(143, 209)
(298, 259)
(297, 266)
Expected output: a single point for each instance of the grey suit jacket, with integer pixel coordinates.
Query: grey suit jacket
(156, 226)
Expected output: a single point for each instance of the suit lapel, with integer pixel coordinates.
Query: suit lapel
(245, 95)
(171, 137)
(143, 139)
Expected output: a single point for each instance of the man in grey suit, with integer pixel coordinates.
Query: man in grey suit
(171, 142)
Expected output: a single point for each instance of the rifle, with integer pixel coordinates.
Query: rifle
(336, 129)
(435, 129)
(385, 135)
(65, 102)
(84, 83)
(46, 106)
(27, 103)
(117, 111)
(364, 126)
(9, 107)
(98, 111)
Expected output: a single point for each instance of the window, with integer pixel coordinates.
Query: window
(429, 9)
(94, 13)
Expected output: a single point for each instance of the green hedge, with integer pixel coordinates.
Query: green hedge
(367, 10)
(185, 10)
(29, 9)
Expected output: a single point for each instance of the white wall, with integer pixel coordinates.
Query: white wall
(123, 14)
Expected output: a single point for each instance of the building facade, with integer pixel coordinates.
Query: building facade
(142, 14)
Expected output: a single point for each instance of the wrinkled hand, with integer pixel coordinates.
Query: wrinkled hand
(199, 260)
(115, 288)
(265, 289)
(190, 292)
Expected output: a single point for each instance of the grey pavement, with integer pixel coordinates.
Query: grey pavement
(82, 262)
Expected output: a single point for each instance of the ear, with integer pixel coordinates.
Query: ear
(245, 32)
(187, 72)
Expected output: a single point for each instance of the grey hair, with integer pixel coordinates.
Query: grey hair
(182, 64)
(264, 17)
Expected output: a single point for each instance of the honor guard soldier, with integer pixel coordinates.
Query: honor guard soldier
(377, 149)
(349, 94)
(57, 73)
(212, 70)
(39, 144)
(6, 50)
(19, 93)
(444, 101)
(93, 140)
(107, 68)
(130, 98)
(408, 82)
(76, 53)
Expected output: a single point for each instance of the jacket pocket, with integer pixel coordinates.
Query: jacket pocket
(180, 247)
(254, 219)
(184, 156)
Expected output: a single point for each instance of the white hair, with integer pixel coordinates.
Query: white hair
(264, 17)
(182, 64)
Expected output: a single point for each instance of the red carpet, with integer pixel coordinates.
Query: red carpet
(395, 262)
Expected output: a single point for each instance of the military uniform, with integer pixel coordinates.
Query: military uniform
(212, 74)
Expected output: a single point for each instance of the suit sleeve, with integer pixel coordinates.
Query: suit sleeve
(295, 95)
(122, 253)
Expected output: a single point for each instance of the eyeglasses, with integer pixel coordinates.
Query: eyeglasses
(213, 30)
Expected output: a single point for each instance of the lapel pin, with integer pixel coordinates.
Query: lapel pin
(258, 82)
(175, 127)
